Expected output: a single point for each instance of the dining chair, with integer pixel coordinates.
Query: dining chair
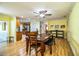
(27, 39)
(50, 42)
(35, 44)
(53, 32)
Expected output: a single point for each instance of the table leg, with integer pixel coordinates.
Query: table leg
(54, 41)
(27, 46)
(51, 49)
(42, 49)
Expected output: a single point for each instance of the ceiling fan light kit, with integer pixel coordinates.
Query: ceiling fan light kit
(42, 13)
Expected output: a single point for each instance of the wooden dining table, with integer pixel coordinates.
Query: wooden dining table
(42, 38)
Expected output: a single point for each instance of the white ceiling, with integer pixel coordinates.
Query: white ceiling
(58, 9)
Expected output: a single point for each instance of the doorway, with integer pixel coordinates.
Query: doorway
(4, 33)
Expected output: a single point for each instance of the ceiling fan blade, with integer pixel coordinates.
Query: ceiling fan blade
(48, 14)
(35, 12)
(43, 11)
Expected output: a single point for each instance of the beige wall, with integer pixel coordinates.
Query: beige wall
(62, 21)
(13, 28)
(73, 29)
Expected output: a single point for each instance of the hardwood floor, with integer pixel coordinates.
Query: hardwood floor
(61, 48)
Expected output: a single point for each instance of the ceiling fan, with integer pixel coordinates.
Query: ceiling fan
(42, 13)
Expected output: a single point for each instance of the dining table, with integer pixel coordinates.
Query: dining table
(42, 38)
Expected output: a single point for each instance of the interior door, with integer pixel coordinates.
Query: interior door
(3, 31)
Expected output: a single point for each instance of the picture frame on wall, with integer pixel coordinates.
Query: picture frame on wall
(52, 26)
(62, 26)
(56, 26)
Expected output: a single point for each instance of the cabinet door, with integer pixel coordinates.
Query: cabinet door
(18, 36)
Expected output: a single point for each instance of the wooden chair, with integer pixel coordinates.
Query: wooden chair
(27, 39)
(35, 44)
(50, 42)
(53, 32)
